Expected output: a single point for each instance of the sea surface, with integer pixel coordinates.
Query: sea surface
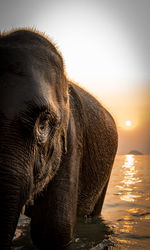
(125, 219)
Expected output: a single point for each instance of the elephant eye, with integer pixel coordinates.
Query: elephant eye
(46, 125)
(43, 126)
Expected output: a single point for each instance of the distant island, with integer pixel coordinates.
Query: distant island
(135, 152)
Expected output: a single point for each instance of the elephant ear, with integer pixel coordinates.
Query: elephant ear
(66, 118)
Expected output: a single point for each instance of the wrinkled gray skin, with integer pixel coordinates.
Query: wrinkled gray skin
(57, 143)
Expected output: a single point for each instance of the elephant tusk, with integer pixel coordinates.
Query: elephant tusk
(23, 209)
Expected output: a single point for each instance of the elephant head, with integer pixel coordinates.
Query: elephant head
(34, 111)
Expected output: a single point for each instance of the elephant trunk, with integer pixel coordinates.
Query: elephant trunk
(14, 192)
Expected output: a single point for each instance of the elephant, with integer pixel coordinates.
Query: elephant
(57, 143)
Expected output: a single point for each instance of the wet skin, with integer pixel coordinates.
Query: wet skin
(57, 143)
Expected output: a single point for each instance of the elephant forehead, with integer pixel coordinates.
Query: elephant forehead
(15, 96)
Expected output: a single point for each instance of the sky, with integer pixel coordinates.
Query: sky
(106, 49)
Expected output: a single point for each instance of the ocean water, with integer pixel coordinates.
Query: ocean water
(125, 219)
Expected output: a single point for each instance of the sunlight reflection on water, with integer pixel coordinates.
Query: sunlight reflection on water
(130, 179)
(127, 203)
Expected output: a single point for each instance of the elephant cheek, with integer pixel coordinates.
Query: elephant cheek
(47, 165)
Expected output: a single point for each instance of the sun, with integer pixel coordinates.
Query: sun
(128, 123)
